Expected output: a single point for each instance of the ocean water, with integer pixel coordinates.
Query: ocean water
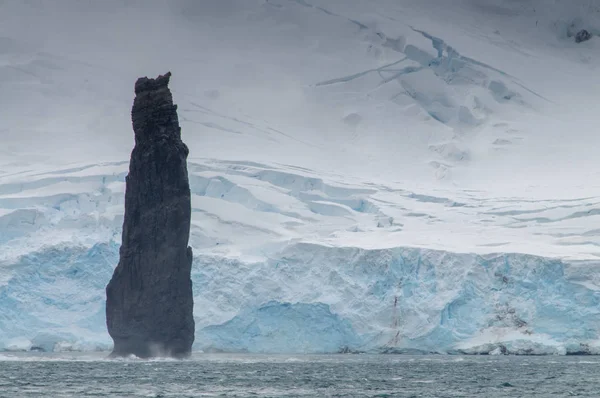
(215, 375)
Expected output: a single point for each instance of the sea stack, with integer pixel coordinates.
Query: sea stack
(149, 301)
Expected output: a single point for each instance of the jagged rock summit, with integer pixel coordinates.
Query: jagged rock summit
(149, 301)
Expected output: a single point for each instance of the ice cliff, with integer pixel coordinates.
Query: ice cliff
(314, 298)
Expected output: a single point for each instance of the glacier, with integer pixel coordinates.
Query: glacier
(282, 328)
(384, 176)
(310, 298)
(410, 299)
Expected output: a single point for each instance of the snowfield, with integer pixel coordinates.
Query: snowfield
(388, 176)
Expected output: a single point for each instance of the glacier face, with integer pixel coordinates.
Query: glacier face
(314, 298)
(405, 298)
(56, 296)
(282, 327)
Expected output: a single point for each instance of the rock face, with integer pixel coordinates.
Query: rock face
(149, 302)
(582, 35)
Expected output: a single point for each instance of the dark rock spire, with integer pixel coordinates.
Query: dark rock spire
(149, 302)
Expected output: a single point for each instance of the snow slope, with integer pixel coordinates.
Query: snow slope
(361, 170)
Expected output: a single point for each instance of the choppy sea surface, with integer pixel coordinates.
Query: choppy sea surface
(214, 375)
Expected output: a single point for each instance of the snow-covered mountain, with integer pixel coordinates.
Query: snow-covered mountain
(367, 175)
